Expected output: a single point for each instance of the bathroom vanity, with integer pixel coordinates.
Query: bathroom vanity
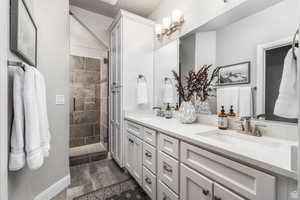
(173, 161)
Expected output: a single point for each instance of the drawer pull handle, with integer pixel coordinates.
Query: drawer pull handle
(148, 181)
(149, 155)
(217, 198)
(168, 169)
(130, 140)
(206, 192)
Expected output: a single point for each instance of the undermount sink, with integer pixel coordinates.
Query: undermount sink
(242, 140)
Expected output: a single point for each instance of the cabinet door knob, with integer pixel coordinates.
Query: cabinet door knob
(205, 192)
(148, 181)
(130, 140)
(149, 155)
(217, 198)
(168, 169)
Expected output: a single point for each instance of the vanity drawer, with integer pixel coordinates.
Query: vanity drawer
(248, 182)
(149, 157)
(224, 194)
(134, 129)
(164, 193)
(149, 183)
(168, 145)
(150, 136)
(167, 170)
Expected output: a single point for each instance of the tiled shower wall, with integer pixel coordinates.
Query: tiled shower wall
(104, 104)
(85, 97)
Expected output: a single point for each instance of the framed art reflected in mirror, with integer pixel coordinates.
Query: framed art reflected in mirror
(234, 74)
(23, 32)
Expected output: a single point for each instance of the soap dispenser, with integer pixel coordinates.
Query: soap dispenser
(222, 119)
(168, 113)
(231, 112)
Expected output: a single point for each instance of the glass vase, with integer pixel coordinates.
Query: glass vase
(187, 113)
(202, 107)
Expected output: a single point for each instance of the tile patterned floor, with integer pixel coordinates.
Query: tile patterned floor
(127, 190)
(93, 176)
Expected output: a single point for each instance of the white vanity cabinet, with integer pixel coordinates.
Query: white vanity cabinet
(128, 49)
(194, 186)
(168, 168)
(133, 157)
(245, 181)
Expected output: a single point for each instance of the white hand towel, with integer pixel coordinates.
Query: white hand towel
(228, 97)
(287, 102)
(17, 154)
(168, 93)
(34, 151)
(42, 111)
(142, 92)
(245, 102)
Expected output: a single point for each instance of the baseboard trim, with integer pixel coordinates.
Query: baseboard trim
(54, 189)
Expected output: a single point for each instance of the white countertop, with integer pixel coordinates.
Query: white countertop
(265, 153)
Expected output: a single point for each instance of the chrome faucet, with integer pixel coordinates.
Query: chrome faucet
(159, 111)
(246, 128)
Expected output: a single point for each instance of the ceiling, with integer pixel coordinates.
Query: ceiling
(140, 7)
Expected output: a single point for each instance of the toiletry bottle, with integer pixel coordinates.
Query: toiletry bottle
(175, 111)
(231, 112)
(168, 113)
(222, 119)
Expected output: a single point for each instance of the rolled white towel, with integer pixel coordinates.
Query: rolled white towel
(227, 97)
(168, 93)
(142, 92)
(245, 102)
(17, 154)
(287, 102)
(34, 151)
(42, 111)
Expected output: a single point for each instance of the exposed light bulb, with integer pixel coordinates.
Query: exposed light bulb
(176, 16)
(166, 22)
(158, 29)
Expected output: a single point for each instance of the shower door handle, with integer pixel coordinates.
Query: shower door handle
(74, 104)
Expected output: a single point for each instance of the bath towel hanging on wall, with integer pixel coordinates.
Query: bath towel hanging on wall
(287, 101)
(34, 141)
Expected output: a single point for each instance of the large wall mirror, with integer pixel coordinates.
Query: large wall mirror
(262, 39)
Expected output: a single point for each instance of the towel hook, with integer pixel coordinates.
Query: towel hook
(141, 77)
(168, 79)
(294, 44)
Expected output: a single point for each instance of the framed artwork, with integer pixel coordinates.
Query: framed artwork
(234, 74)
(23, 32)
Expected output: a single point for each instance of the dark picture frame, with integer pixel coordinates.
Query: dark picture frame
(235, 74)
(23, 32)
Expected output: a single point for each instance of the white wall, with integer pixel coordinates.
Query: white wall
(166, 60)
(205, 49)
(84, 43)
(96, 23)
(52, 20)
(196, 13)
(238, 42)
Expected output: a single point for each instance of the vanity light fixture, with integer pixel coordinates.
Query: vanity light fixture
(169, 24)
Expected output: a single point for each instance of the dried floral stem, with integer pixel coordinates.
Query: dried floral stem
(197, 83)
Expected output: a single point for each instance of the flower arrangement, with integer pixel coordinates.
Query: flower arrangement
(197, 83)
